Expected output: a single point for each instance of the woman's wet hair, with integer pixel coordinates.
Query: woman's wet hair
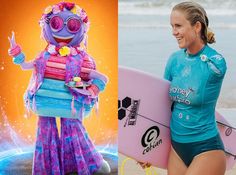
(194, 13)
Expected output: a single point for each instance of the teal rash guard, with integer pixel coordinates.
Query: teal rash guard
(195, 87)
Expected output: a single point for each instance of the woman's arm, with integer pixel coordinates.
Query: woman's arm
(217, 65)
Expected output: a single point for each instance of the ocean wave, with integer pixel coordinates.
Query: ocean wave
(170, 3)
(163, 7)
(229, 114)
(145, 25)
(228, 98)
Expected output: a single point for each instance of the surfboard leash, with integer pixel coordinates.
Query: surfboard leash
(123, 164)
(226, 125)
(234, 156)
(150, 171)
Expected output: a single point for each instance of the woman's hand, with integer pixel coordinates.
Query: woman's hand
(144, 165)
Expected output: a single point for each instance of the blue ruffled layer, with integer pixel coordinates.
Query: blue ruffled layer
(54, 99)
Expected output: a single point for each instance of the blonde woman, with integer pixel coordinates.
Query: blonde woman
(196, 73)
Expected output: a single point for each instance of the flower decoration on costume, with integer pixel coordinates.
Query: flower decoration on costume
(76, 10)
(64, 51)
(52, 49)
(55, 9)
(48, 10)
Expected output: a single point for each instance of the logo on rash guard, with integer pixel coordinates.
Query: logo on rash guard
(183, 92)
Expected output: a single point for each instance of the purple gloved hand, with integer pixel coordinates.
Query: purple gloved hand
(94, 74)
(14, 48)
(18, 57)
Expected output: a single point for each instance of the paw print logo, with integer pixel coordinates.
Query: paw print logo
(122, 107)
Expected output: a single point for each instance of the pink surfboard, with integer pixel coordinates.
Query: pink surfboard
(144, 111)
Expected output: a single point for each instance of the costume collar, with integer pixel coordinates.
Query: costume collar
(63, 50)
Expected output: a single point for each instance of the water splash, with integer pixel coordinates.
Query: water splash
(110, 149)
(10, 141)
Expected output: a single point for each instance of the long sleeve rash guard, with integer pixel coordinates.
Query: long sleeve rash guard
(195, 87)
